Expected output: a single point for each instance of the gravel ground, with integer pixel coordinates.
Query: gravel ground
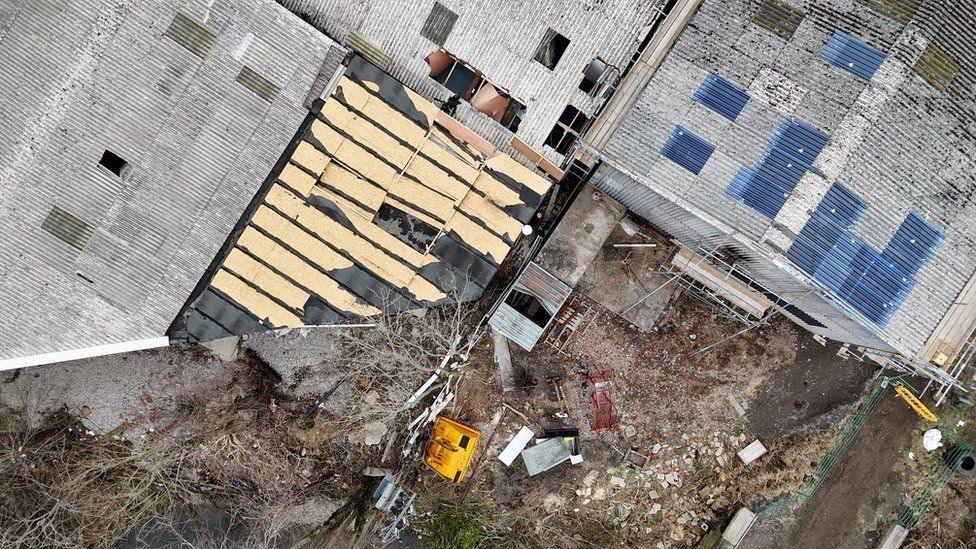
(115, 391)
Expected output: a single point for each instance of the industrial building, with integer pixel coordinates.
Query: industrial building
(133, 136)
(821, 152)
(535, 72)
(817, 156)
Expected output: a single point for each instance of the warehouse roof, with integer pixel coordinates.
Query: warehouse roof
(764, 112)
(382, 203)
(129, 150)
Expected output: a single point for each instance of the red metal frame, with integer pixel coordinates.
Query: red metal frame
(603, 406)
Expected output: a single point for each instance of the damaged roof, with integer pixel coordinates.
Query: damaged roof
(381, 203)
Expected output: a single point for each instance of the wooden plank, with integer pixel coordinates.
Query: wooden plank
(954, 330)
(254, 301)
(299, 269)
(722, 283)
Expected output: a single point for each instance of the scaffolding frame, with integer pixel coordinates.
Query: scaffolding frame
(709, 297)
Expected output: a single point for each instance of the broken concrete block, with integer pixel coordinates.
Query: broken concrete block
(515, 447)
(752, 452)
(373, 433)
(737, 529)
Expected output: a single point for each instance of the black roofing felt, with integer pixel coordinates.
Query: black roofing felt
(317, 311)
(407, 228)
(227, 313)
(530, 198)
(462, 259)
(389, 89)
(201, 328)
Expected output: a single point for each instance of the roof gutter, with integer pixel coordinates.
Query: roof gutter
(87, 352)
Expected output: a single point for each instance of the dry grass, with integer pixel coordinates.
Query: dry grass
(64, 487)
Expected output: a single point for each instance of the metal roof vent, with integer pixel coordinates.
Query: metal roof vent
(193, 36)
(68, 227)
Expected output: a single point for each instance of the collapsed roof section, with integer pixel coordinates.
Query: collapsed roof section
(381, 203)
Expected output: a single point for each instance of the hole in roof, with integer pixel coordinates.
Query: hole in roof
(113, 163)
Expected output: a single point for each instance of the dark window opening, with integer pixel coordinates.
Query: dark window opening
(470, 85)
(113, 163)
(551, 49)
(530, 307)
(415, 232)
(463, 443)
(439, 24)
(456, 77)
(571, 124)
(592, 75)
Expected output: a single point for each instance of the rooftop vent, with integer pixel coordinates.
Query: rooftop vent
(68, 227)
(193, 36)
(439, 24)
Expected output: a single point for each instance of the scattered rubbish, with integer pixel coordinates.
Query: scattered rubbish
(390, 496)
(576, 459)
(629, 227)
(960, 423)
(752, 452)
(374, 471)
(735, 405)
(319, 404)
(85, 411)
(638, 245)
(450, 448)
(545, 456)
(515, 447)
(560, 397)
(932, 440)
(636, 459)
(911, 456)
(894, 538)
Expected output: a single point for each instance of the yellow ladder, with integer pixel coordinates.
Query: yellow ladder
(915, 403)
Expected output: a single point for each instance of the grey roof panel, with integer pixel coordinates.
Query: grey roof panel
(198, 144)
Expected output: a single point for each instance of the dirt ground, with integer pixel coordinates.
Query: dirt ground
(667, 473)
(853, 508)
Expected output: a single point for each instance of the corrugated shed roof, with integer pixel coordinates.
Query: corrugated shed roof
(513, 324)
(197, 143)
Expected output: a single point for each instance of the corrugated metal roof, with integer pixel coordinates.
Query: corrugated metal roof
(551, 293)
(550, 290)
(687, 150)
(198, 145)
(721, 96)
(847, 52)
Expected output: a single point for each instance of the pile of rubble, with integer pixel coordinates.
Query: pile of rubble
(683, 487)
